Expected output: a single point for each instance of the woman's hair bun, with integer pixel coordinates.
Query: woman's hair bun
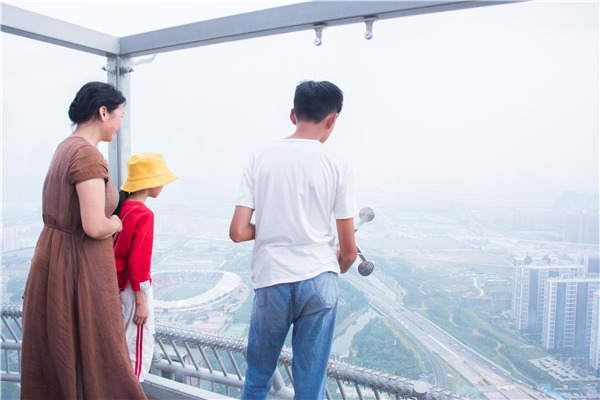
(90, 98)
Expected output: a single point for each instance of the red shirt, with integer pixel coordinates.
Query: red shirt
(133, 246)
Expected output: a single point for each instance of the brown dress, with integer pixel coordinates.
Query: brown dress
(73, 339)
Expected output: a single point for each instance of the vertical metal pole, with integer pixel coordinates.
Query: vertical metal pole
(118, 75)
(281, 392)
(124, 135)
(112, 78)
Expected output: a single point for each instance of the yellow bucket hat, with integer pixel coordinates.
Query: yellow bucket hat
(145, 171)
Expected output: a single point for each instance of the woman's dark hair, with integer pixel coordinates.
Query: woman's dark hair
(313, 101)
(90, 98)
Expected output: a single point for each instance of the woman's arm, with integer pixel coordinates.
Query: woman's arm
(91, 204)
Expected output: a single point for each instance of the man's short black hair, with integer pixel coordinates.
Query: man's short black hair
(313, 101)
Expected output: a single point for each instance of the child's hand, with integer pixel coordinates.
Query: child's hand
(141, 309)
(141, 314)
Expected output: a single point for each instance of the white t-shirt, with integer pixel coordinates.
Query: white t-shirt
(294, 186)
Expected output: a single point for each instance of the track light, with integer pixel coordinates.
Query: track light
(318, 32)
(369, 25)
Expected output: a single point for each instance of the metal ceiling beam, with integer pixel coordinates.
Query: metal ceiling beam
(31, 25)
(291, 18)
(273, 21)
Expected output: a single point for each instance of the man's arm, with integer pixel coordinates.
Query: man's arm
(348, 252)
(241, 229)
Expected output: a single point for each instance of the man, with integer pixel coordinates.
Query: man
(293, 187)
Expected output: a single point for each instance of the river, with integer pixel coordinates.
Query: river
(341, 345)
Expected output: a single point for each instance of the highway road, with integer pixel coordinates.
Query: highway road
(436, 342)
(383, 305)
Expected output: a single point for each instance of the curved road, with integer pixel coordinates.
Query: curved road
(394, 313)
(437, 343)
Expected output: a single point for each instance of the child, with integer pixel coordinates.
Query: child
(147, 173)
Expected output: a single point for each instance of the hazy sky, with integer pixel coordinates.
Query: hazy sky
(500, 98)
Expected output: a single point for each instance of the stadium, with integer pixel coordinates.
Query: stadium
(193, 291)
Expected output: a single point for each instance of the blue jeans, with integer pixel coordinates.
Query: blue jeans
(311, 306)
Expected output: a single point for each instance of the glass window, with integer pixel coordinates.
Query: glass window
(473, 135)
(39, 81)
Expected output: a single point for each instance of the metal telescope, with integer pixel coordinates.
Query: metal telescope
(366, 267)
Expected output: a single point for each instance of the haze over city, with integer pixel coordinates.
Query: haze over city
(499, 99)
(473, 134)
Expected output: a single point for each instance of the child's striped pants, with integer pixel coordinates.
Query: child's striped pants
(140, 338)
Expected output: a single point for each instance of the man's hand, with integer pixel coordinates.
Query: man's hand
(141, 308)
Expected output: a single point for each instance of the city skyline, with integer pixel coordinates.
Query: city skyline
(444, 248)
(473, 135)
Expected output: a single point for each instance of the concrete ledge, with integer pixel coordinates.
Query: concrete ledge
(162, 389)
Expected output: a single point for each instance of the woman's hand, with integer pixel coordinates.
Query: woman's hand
(116, 219)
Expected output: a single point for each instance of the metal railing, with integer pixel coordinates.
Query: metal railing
(193, 356)
(10, 334)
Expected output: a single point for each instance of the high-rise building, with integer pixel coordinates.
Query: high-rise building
(581, 228)
(530, 276)
(593, 263)
(595, 338)
(568, 306)
(9, 237)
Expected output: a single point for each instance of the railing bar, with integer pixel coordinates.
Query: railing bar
(377, 396)
(220, 361)
(6, 360)
(327, 394)
(358, 391)
(189, 351)
(210, 368)
(10, 377)
(289, 372)
(232, 381)
(19, 361)
(341, 387)
(177, 352)
(235, 366)
(10, 345)
(397, 388)
(9, 328)
(18, 323)
(165, 352)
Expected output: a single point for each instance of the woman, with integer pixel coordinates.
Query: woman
(73, 339)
